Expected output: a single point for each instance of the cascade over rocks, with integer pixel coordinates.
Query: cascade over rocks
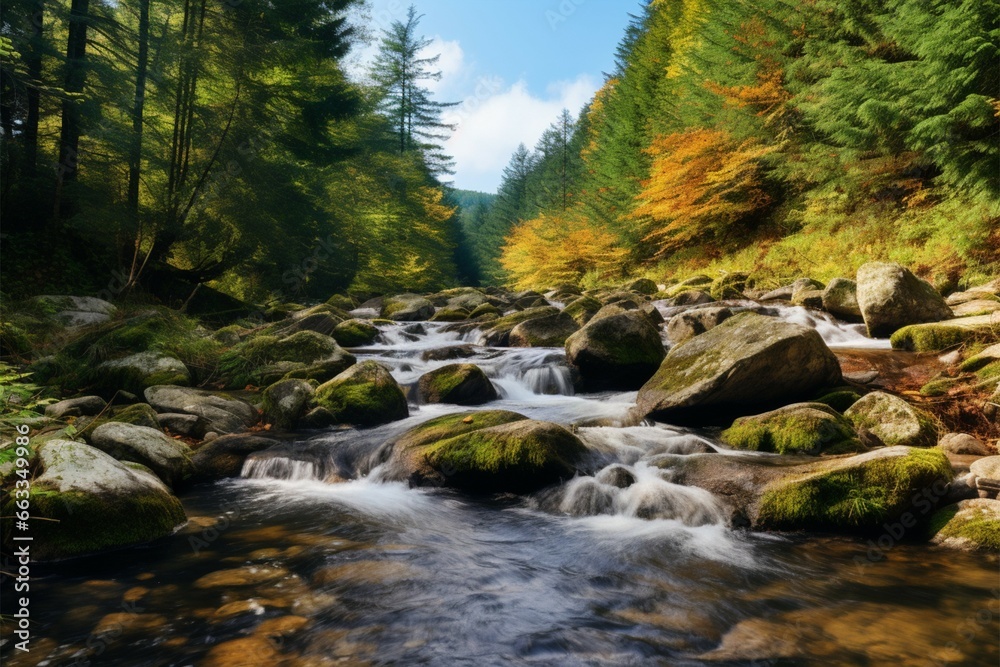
(617, 351)
(365, 395)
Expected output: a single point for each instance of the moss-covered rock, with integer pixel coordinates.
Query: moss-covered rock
(697, 282)
(84, 501)
(801, 428)
(942, 335)
(169, 459)
(891, 297)
(265, 359)
(364, 395)
(286, 401)
(139, 414)
(748, 363)
(939, 386)
(342, 302)
(859, 493)
(486, 452)
(550, 331)
(76, 311)
(498, 335)
(484, 310)
(223, 412)
(691, 323)
(981, 359)
(459, 384)
(808, 299)
(355, 333)
(971, 525)
(615, 352)
(136, 372)
(840, 399)
(692, 297)
(450, 315)
(582, 309)
(643, 286)
(407, 308)
(730, 286)
(893, 420)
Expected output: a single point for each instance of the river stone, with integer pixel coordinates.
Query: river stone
(447, 314)
(319, 323)
(551, 331)
(498, 335)
(459, 384)
(891, 297)
(962, 444)
(615, 352)
(286, 401)
(223, 413)
(937, 336)
(191, 426)
(224, 456)
(694, 322)
(84, 501)
(979, 360)
(77, 311)
(169, 459)
(978, 307)
(801, 428)
(407, 308)
(449, 352)
(76, 407)
(972, 525)
(139, 371)
(486, 452)
(808, 299)
(643, 286)
(840, 298)
(692, 297)
(363, 395)
(582, 309)
(746, 363)
(987, 472)
(893, 420)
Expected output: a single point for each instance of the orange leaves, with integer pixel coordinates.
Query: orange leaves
(701, 183)
(558, 248)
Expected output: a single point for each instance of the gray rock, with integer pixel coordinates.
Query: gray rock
(286, 401)
(748, 363)
(87, 406)
(987, 473)
(618, 351)
(696, 321)
(169, 459)
(223, 456)
(458, 384)
(551, 331)
(138, 371)
(893, 420)
(407, 308)
(891, 297)
(963, 444)
(191, 426)
(976, 307)
(840, 298)
(692, 297)
(223, 413)
(78, 311)
(808, 299)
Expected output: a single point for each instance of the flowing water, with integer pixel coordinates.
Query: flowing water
(313, 559)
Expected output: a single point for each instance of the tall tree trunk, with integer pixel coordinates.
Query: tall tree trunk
(33, 60)
(69, 134)
(135, 147)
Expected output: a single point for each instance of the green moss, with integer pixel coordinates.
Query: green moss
(801, 431)
(990, 371)
(933, 337)
(484, 309)
(365, 395)
(938, 387)
(245, 363)
(450, 315)
(840, 400)
(342, 302)
(980, 529)
(729, 286)
(860, 497)
(355, 333)
(456, 424)
(582, 309)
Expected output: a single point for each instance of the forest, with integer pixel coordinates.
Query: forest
(162, 146)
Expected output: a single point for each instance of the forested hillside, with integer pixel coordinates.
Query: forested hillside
(159, 146)
(783, 138)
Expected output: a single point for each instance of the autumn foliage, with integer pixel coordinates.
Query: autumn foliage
(559, 248)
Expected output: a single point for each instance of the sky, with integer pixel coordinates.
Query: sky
(513, 65)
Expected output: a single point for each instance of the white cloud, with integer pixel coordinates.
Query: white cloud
(496, 118)
(451, 63)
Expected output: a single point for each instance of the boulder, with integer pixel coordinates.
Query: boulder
(498, 335)
(747, 363)
(800, 428)
(696, 321)
(615, 352)
(840, 299)
(76, 311)
(972, 525)
(407, 308)
(692, 297)
(987, 473)
(550, 331)
(459, 384)
(978, 361)
(891, 297)
(450, 315)
(191, 426)
(729, 286)
(139, 414)
(448, 352)
(893, 420)
(963, 444)
(286, 401)
(486, 452)
(363, 395)
(643, 286)
(76, 407)
(484, 311)
(582, 309)
(223, 457)
(169, 459)
(137, 372)
(693, 282)
(355, 333)
(83, 501)
(808, 299)
(934, 337)
(319, 323)
(223, 413)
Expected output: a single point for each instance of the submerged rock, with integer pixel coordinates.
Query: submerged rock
(746, 363)
(364, 395)
(618, 351)
(891, 297)
(971, 525)
(459, 384)
(801, 428)
(84, 501)
(893, 420)
(486, 452)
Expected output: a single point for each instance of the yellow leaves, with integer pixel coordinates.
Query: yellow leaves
(558, 248)
(701, 182)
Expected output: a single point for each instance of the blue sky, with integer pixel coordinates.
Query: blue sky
(513, 65)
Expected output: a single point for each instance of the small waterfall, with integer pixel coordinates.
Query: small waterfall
(834, 332)
(531, 371)
(279, 467)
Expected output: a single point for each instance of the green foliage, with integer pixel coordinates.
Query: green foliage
(20, 397)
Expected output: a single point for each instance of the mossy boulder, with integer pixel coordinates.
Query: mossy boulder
(893, 420)
(550, 331)
(224, 413)
(615, 352)
(748, 363)
(450, 315)
(972, 525)
(459, 384)
(692, 297)
(859, 493)
(839, 399)
(801, 428)
(265, 359)
(643, 286)
(364, 395)
(139, 414)
(168, 458)
(582, 309)
(407, 308)
(286, 401)
(83, 501)
(484, 310)
(224, 457)
(696, 321)
(981, 359)
(730, 286)
(498, 335)
(696, 282)
(891, 297)
(939, 336)
(136, 372)
(355, 333)
(75, 311)
(486, 452)
(342, 302)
